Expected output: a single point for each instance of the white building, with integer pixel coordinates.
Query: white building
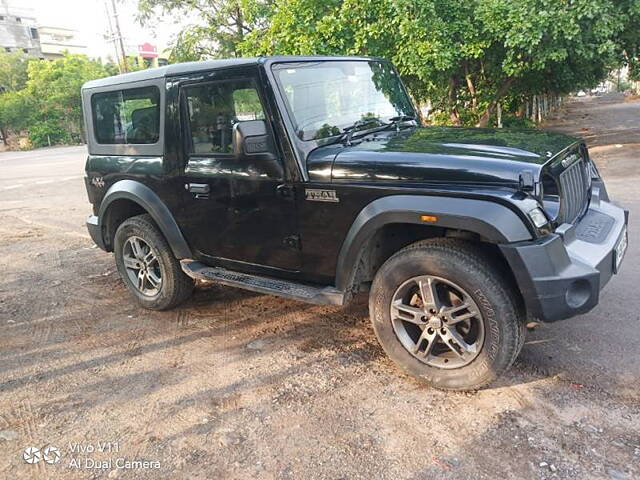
(54, 41)
(19, 30)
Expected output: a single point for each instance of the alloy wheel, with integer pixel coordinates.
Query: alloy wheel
(142, 266)
(437, 322)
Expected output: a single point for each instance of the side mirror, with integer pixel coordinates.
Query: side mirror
(251, 141)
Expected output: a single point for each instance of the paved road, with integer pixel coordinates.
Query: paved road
(26, 170)
(238, 385)
(601, 347)
(46, 186)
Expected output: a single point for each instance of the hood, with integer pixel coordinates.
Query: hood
(440, 154)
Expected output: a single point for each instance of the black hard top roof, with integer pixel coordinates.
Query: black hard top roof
(189, 67)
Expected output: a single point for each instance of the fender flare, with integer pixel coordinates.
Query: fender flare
(493, 221)
(149, 200)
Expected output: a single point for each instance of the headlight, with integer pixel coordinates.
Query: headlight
(538, 217)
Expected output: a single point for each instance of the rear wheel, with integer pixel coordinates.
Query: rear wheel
(147, 266)
(445, 315)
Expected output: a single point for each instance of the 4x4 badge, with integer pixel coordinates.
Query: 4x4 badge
(317, 195)
(97, 182)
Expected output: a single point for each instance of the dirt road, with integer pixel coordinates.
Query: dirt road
(238, 385)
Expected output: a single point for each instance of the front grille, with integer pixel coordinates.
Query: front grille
(574, 192)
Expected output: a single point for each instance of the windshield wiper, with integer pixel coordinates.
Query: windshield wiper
(396, 121)
(357, 125)
(348, 132)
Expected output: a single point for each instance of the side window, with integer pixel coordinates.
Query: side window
(214, 108)
(127, 116)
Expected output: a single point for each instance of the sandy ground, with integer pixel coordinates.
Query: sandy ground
(239, 385)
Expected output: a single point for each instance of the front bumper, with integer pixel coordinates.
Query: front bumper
(95, 230)
(561, 274)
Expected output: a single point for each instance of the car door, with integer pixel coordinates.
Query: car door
(234, 210)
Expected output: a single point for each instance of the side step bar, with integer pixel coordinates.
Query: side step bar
(267, 285)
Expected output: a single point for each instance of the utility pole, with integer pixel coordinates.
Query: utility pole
(112, 36)
(118, 38)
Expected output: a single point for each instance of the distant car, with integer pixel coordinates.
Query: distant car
(312, 178)
(581, 94)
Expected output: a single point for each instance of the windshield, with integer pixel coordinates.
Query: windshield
(325, 97)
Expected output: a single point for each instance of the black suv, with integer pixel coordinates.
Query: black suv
(311, 178)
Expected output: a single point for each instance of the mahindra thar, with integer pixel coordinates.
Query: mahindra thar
(312, 178)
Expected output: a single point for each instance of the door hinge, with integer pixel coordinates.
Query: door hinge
(293, 241)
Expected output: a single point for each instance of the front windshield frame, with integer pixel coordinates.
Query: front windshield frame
(338, 130)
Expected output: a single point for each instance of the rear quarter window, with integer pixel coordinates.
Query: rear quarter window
(130, 116)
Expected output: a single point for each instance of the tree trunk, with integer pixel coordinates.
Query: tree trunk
(239, 23)
(3, 132)
(470, 86)
(539, 109)
(453, 115)
(483, 122)
(239, 28)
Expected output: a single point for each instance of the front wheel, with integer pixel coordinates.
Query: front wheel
(445, 315)
(147, 266)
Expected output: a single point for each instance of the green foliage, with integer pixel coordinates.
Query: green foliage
(217, 28)
(133, 65)
(15, 110)
(630, 37)
(13, 76)
(463, 55)
(13, 71)
(54, 87)
(512, 121)
(48, 132)
(327, 130)
(49, 107)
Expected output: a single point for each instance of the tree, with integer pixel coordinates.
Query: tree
(13, 71)
(13, 76)
(217, 26)
(54, 87)
(630, 39)
(548, 46)
(463, 55)
(15, 111)
(49, 107)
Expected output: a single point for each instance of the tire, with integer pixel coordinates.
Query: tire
(467, 287)
(174, 286)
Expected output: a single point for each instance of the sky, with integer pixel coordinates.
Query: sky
(89, 18)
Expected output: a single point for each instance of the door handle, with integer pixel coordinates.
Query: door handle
(198, 187)
(284, 190)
